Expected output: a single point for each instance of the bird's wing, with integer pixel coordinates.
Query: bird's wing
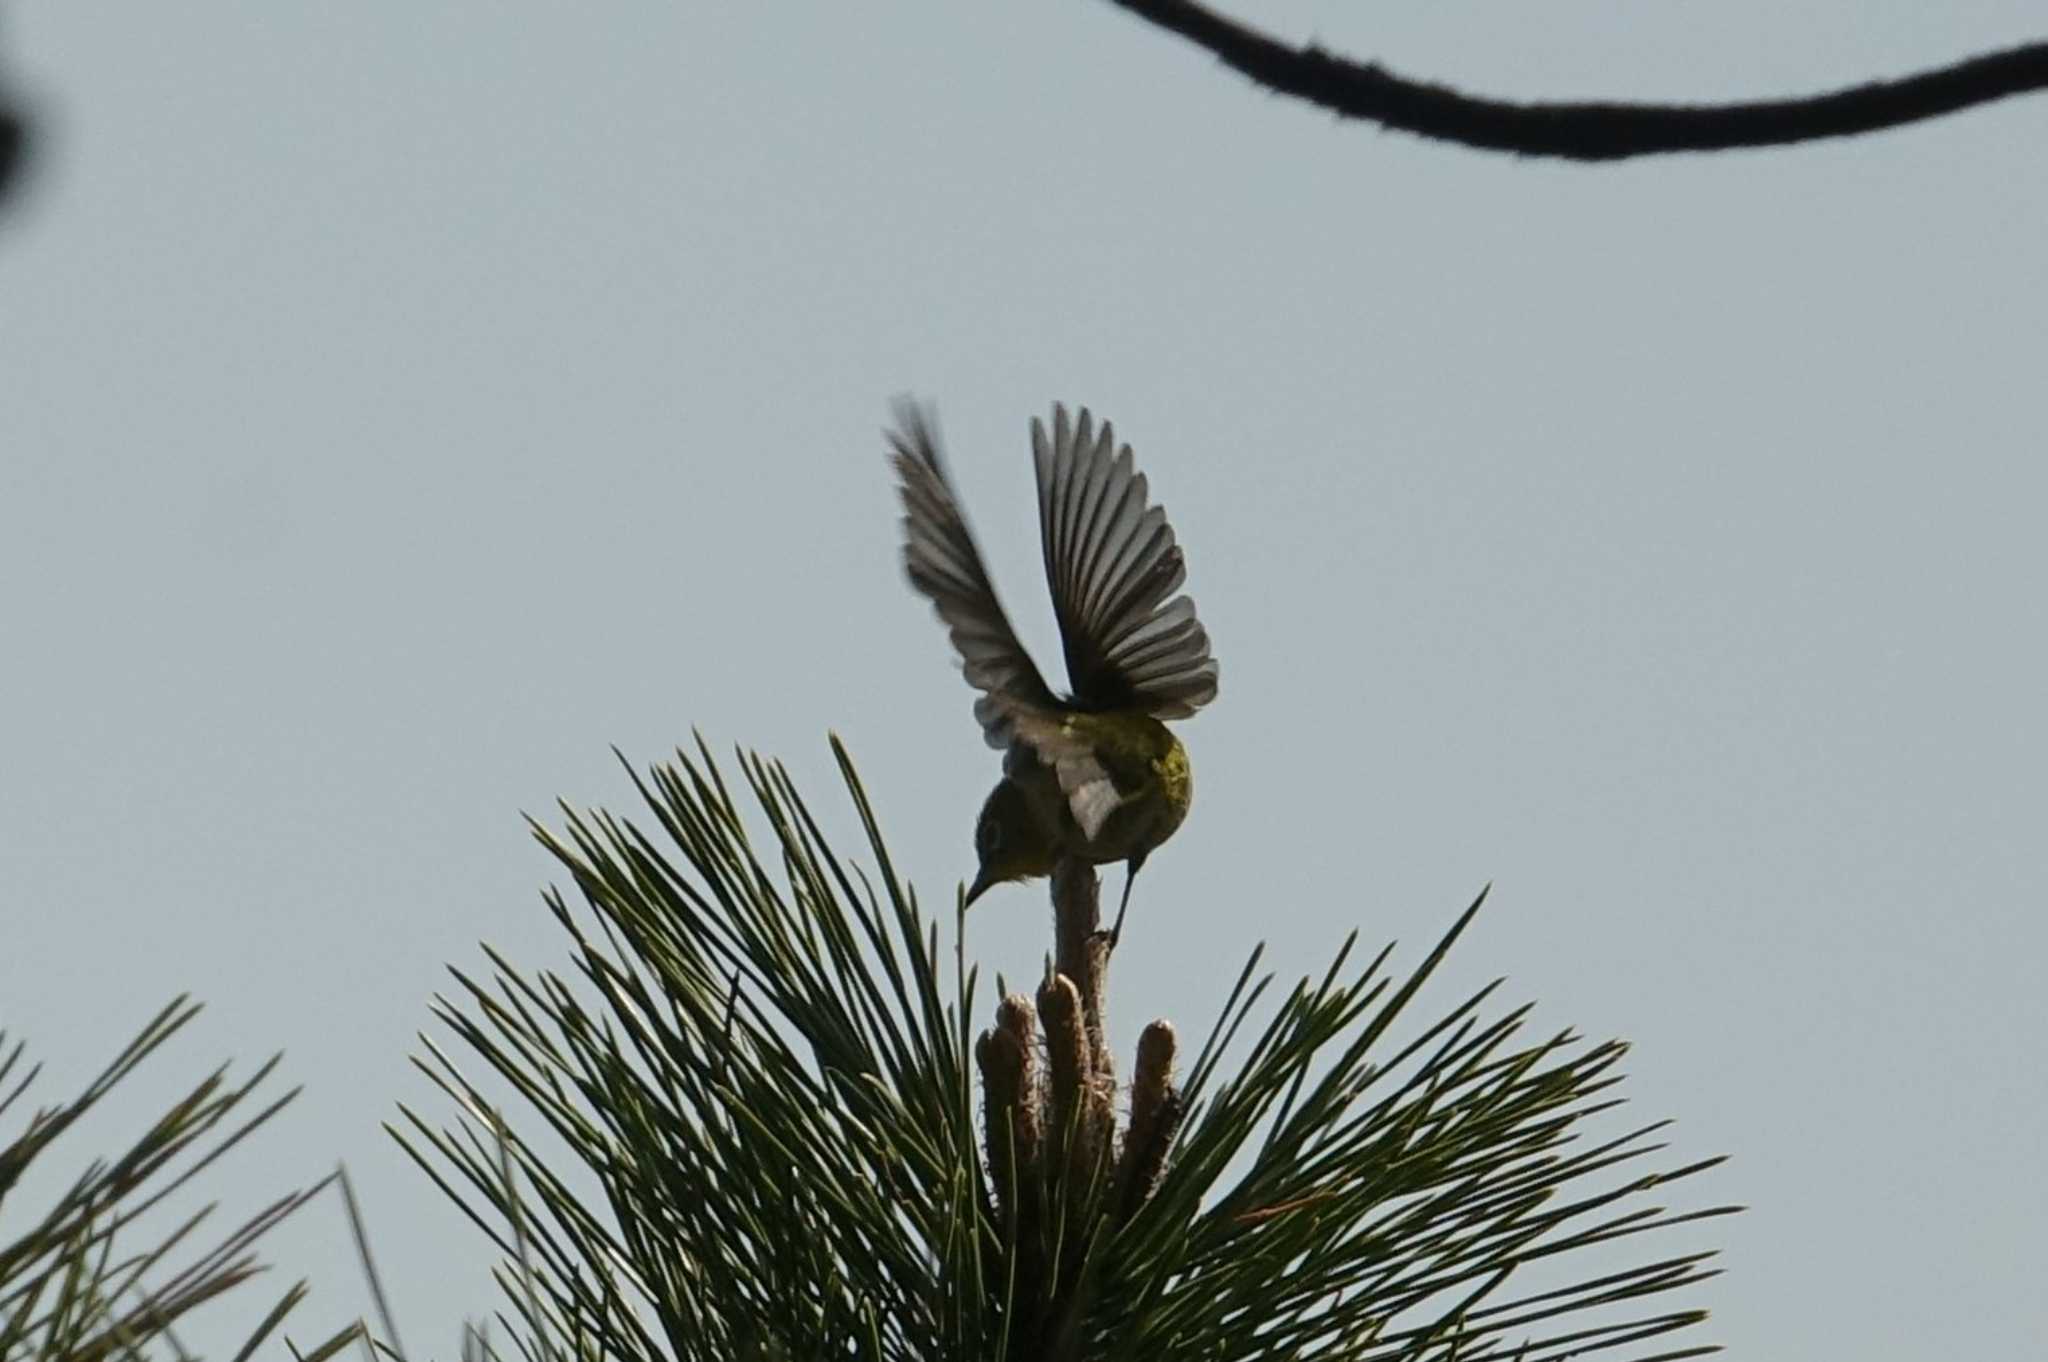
(940, 558)
(1111, 561)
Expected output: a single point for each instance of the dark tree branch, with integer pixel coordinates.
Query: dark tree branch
(1592, 131)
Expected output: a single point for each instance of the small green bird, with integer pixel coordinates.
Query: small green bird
(1094, 774)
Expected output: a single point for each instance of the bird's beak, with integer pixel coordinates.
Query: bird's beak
(983, 882)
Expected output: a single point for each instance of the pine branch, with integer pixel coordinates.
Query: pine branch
(764, 1081)
(73, 1286)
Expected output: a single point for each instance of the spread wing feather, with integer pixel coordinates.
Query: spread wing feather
(1112, 562)
(942, 562)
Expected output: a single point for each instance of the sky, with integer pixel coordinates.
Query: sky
(406, 403)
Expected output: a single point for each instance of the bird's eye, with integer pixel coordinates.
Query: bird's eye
(990, 837)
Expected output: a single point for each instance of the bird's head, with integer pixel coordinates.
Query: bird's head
(1010, 841)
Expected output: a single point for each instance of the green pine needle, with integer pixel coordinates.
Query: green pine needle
(74, 1285)
(765, 1095)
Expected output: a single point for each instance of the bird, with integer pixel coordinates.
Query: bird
(1093, 774)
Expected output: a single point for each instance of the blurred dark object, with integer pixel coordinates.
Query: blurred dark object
(16, 138)
(13, 146)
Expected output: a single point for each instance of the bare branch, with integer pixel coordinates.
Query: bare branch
(1593, 131)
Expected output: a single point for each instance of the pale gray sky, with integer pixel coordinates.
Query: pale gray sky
(405, 402)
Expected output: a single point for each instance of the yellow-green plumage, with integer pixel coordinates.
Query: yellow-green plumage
(1034, 825)
(1094, 775)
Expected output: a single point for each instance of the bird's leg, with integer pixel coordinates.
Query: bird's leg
(1131, 869)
